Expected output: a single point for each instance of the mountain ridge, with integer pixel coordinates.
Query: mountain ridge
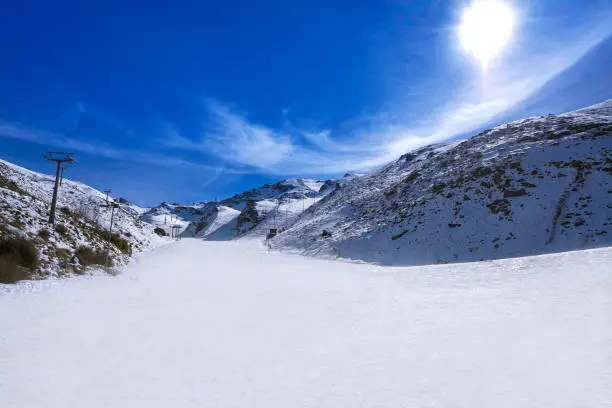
(536, 185)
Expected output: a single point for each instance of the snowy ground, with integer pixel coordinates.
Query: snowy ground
(226, 324)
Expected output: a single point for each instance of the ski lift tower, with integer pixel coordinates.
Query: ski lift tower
(60, 158)
(176, 231)
(112, 205)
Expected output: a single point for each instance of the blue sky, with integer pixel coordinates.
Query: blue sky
(188, 101)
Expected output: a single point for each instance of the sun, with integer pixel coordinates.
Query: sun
(486, 28)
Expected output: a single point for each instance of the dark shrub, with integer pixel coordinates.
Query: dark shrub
(438, 188)
(62, 253)
(326, 234)
(18, 257)
(65, 210)
(122, 244)
(482, 171)
(88, 256)
(11, 185)
(44, 233)
(61, 229)
(411, 177)
(160, 231)
(99, 232)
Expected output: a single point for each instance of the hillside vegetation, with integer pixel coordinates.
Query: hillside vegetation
(81, 227)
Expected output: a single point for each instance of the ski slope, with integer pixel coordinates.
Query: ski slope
(228, 324)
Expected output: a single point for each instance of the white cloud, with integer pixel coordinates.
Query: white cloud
(239, 142)
(234, 139)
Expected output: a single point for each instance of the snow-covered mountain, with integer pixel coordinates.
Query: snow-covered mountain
(80, 218)
(165, 215)
(532, 186)
(254, 211)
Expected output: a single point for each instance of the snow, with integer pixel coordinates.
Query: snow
(227, 324)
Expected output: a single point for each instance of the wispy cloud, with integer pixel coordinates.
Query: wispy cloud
(44, 137)
(239, 142)
(235, 139)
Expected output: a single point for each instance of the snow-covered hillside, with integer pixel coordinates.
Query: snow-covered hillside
(251, 212)
(227, 325)
(80, 220)
(532, 186)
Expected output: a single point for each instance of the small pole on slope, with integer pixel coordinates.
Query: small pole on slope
(107, 191)
(59, 158)
(174, 232)
(110, 229)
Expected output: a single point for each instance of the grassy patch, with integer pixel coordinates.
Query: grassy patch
(122, 244)
(11, 185)
(44, 234)
(18, 258)
(88, 256)
(61, 229)
(438, 188)
(482, 172)
(411, 177)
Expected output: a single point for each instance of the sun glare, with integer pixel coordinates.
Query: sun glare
(486, 28)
